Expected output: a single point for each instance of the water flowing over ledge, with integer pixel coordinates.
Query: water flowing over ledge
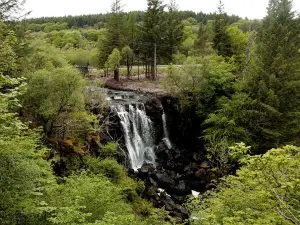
(166, 138)
(138, 133)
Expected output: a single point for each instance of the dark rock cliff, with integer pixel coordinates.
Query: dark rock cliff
(181, 168)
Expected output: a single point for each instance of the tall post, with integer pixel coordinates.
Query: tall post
(138, 67)
(155, 62)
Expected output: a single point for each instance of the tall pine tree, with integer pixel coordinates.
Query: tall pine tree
(221, 41)
(174, 32)
(266, 107)
(153, 29)
(115, 34)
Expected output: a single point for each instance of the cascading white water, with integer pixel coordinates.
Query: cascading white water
(138, 133)
(166, 138)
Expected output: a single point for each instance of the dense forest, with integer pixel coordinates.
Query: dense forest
(237, 85)
(98, 20)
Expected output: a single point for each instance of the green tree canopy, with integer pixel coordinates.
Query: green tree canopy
(54, 94)
(200, 81)
(265, 191)
(262, 108)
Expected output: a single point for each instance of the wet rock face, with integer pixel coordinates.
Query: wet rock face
(184, 125)
(154, 111)
(180, 168)
(176, 176)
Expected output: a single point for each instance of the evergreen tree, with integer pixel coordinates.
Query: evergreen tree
(201, 44)
(127, 54)
(279, 68)
(174, 31)
(132, 31)
(221, 40)
(267, 102)
(153, 29)
(113, 62)
(115, 35)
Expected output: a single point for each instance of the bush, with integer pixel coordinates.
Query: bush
(94, 196)
(53, 95)
(108, 167)
(265, 191)
(45, 56)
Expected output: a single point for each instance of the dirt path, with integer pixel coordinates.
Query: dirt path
(135, 84)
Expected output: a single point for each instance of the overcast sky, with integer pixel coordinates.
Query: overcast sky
(253, 9)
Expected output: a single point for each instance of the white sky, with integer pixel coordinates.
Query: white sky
(253, 9)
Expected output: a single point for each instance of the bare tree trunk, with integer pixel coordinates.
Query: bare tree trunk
(128, 67)
(152, 70)
(138, 68)
(116, 75)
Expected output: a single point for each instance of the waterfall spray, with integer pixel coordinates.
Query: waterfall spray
(138, 134)
(166, 138)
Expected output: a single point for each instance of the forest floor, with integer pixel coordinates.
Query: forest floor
(135, 83)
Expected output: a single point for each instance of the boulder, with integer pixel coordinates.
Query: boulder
(164, 180)
(179, 189)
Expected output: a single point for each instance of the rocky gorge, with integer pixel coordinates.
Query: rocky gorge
(158, 144)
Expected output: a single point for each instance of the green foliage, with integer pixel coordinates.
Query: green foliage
(93, 194)
(23, 171)
(54, 98)
(128, 54)
(73, 38)
(49, 27)
(239, 43)
(179, 58)
(188, 40)
(107, 167)
(132, 31)
(35, 27)
(221, 41)
(200, 81)
(174, 30)
(190, 21)
(115, 33)
(114, 59)
(109, 150)
(10, 89)
(78, 57)
(45, 56)
(229, 121)
(224, 157)
(202, 44)
(260, 113)
(92, 35)
(53, 95)
(265, 191)
(153, 30)
(187, 45)
(8, 57)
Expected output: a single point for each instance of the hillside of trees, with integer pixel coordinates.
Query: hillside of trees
(98, 20)
(239, 77)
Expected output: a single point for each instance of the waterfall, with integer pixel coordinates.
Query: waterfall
(166, 138)
(138, 133)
